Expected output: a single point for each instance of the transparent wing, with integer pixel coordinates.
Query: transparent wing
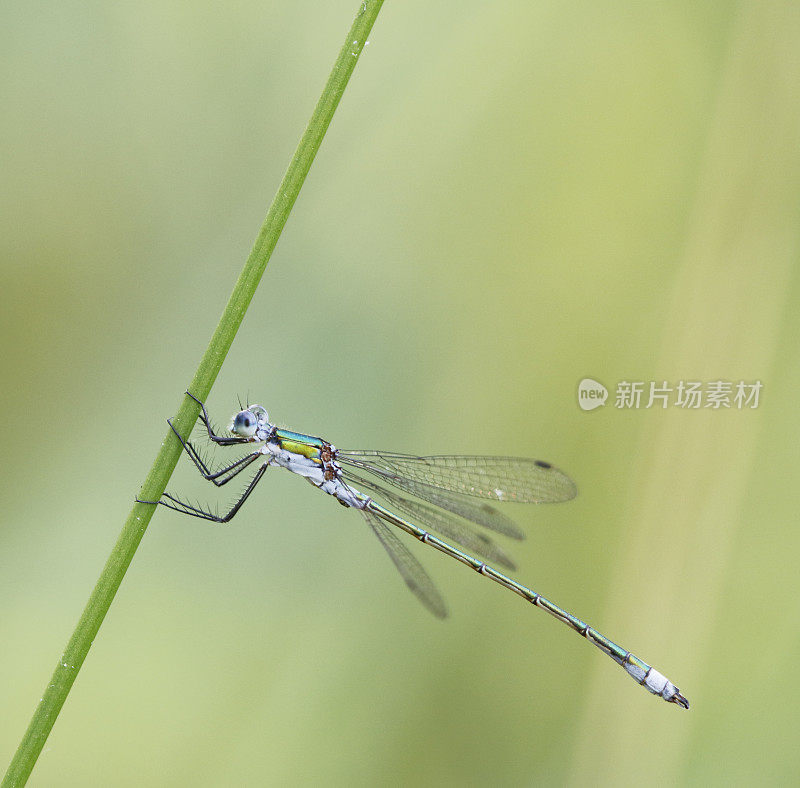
(439, 521)
(474, 511)
(500, 478)
(416, 577)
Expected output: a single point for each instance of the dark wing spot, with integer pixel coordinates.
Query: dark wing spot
(542, 464)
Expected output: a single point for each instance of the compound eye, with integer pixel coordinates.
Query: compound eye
(244, 424)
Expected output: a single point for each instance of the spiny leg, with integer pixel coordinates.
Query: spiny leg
(184, 508)
(237, 467)
(222, 440)
(195, 511)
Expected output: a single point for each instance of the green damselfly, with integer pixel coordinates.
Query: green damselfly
(445, 485)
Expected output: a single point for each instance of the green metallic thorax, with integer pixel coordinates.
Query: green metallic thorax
(297, 443)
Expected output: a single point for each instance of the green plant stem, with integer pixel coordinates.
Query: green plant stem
(132, 532)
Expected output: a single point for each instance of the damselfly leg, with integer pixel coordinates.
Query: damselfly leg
(224, 474)
(219, 477)
(196, 511)
(222, 440)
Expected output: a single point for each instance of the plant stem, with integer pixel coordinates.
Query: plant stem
(132, 532)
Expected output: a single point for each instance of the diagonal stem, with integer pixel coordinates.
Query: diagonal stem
(132, 532)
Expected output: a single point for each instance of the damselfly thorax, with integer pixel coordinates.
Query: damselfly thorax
(311, 457)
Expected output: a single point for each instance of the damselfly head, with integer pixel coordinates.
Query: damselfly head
(247, 421)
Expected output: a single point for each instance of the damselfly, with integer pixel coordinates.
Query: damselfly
(445, 486)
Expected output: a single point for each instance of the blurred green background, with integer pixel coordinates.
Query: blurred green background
(511, 197)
